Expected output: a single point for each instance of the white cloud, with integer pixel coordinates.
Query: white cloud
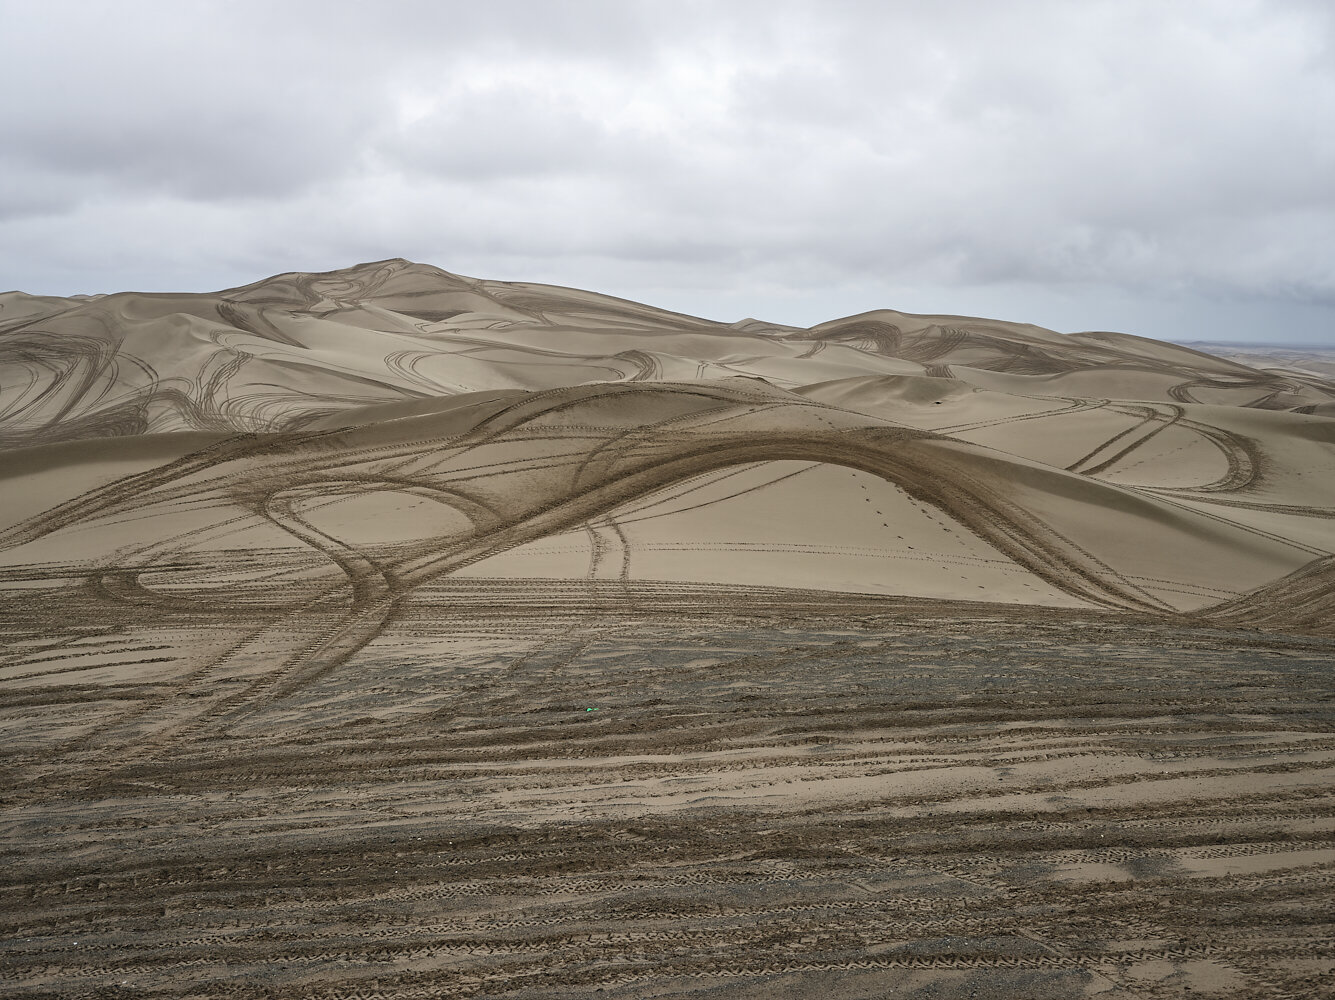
(1121, 151)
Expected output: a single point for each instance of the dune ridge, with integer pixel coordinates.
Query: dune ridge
(277, 354)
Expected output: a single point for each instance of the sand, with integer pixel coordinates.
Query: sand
(389, 632)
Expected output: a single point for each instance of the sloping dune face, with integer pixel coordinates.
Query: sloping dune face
(390, 633)
(397, 423)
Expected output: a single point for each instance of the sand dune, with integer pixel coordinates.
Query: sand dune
(993, 461)
(278, 354)
(234, 524)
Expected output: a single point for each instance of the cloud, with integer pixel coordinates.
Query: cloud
(1148, 150)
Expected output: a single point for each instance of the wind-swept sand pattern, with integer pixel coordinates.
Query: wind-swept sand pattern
(388, 632)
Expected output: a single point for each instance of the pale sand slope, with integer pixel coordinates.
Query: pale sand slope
(406, 415)
(280, 353)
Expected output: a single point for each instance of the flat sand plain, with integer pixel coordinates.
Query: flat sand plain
(391, 633)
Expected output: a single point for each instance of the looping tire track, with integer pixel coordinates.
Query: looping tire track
(619, 466)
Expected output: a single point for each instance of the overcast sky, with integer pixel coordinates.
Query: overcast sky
(1164, 168)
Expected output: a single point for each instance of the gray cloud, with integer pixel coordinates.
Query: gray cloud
(780, 154)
